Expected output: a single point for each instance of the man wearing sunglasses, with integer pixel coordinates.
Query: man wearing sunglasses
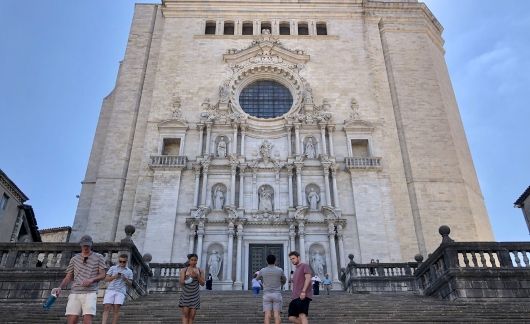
(85, 269)
(119, 277)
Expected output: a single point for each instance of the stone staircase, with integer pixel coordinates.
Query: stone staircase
(339, 307)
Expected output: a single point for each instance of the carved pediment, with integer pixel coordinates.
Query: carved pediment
(358, 126)
(265, 49)
(174, 123)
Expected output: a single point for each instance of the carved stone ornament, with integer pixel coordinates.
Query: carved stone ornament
(300, 213)
(265, 58)
(176, 112)
(319, 114)
(265, 216)
(200, 212)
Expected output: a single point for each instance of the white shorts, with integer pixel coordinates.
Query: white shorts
(113, 297)
(81, 304)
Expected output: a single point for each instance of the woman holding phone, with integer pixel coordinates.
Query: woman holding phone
(190, 278)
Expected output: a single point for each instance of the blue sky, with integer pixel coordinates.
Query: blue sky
(59, 58)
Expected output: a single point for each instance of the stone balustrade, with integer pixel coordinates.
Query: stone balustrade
(378, 277)
(31, 270)
(165, 277)
(167, 161)
(476, 269)
(363, 162)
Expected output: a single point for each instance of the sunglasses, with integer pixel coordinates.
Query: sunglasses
(84, 259)
(122, 261)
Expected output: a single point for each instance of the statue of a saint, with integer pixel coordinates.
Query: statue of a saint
(219, 198)
(310, 149)
(223, 93)
(214, 264)
(265, 199)
(317, 263)
(313, 199)
(221, 148)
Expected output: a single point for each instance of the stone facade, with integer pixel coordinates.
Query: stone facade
(17, 220)
(56, 234)
(371, 158)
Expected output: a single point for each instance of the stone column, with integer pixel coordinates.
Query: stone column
(333, 252)
(233, 168)
(197, 169)
(340, 236)
(325, 167)
(333, 169)
(204, 194)
(230, 252)
(241, 186)
(254, 190)
(301, 237)
(243, 132)
(208, 137)
(277, 189)
(191, 242)
(292, 236)
(239, 255)
(289, 146)
(299, 182)
(200, 236)
(201, 137)
(290, 181)
(331, 128)
(297, 138)
(234, 139)
(323, 136)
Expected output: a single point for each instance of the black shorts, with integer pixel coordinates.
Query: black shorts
(298, 306)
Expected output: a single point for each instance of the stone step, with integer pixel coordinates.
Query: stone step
(340, 307)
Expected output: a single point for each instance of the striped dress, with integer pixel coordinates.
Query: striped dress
(190, 295)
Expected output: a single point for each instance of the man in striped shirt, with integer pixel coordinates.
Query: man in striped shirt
(85, 269)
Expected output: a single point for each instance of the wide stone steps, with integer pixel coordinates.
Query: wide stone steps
(339, 307)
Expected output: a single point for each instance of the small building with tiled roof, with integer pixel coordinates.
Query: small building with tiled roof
(17, 220)
(523, 202)
(56, 234)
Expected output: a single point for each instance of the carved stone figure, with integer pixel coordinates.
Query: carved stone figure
(214, 264)
(265, 199)
(223, 93)
(221, 148)
(265, 150)
(318, 263)
(219, 198)
(313, 198)
(310, 149)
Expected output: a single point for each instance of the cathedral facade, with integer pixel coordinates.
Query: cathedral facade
(242, 128)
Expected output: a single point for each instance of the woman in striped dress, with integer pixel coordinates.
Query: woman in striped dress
(190, 279)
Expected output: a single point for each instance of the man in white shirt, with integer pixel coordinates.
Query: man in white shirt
(119, 277)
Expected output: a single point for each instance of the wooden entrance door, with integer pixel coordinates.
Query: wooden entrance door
(258, 258)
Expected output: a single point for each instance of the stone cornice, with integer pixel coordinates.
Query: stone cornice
(12, 187)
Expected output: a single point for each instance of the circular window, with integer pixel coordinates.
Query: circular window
(265, 99)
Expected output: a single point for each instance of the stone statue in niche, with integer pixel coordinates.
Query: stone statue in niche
(265, 150)
(221, 148)
(218, 198)
(313, 198)
(310, 149)
(224, 92)
(318, 263)
(266, 196)
(214, 264)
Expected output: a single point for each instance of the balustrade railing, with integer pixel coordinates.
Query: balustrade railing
(165, 276)
(53, 258)
(363, 162)
(486, 261)
(165, 161)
